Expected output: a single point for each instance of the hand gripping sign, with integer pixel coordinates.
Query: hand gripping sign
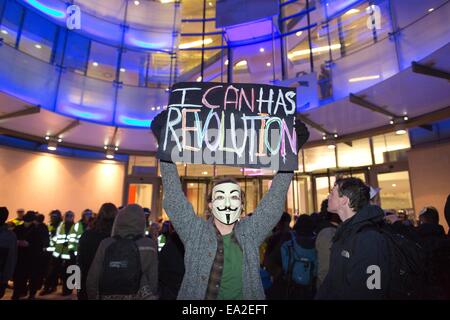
(246, 125)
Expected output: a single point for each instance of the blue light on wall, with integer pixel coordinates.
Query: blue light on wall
(146, 45)
(84, 114)
(135, 122)
(47, 10)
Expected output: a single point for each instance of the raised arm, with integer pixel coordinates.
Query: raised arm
(270, 208)
(175, 203)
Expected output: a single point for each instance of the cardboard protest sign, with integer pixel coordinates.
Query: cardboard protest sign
(245, 125)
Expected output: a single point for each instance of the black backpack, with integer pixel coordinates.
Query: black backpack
(439, 269)
(122, 269)
(407, 259)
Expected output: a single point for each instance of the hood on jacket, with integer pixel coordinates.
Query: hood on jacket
(130, 221)
(368, 213)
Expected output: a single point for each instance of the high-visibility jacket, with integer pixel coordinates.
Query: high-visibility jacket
(52, 232)
(161, 242)
(15, 221)
(74, 236)
(62, 243)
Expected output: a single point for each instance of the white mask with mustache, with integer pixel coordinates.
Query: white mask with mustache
(227, 202)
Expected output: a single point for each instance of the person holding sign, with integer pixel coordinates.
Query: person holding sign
(237, 124)
(222, 254)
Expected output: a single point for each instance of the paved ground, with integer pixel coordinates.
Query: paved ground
(53, 296)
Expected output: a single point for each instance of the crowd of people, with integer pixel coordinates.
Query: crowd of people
(361, 234)
(303, 262)
(36, 256)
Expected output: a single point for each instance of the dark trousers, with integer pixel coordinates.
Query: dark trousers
(64, 275)
(286, 289)
(38, 272)
(82, 293)
(58, 270)
(27, 277)
(51, 280)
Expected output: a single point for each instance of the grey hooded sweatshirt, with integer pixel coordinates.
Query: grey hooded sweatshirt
(129, 221)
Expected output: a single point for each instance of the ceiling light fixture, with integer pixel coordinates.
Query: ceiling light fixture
(110, 151)
(399, 124)
(351, 11)
(358, 79)
(331, 139)
(400, 129)
(194, 44)
(52, 142)
(52, 145)
(241, 64)
(331, 144)
(314, 50)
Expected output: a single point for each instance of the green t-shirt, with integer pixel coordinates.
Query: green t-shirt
(231, 282)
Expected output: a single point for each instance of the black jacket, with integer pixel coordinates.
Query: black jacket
(430, 235)
(26, 255)
(171, 267)
(42, 236)
(8, 253)
(87, 248)
(354, 249)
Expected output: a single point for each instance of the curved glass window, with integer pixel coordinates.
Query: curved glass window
(135, 50)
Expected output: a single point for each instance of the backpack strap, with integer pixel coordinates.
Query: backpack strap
(290, 268)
